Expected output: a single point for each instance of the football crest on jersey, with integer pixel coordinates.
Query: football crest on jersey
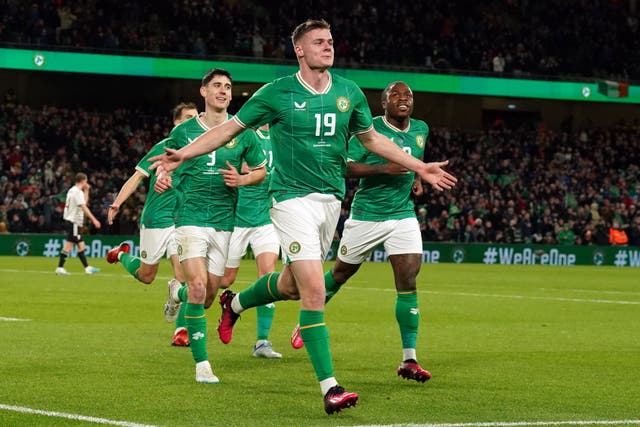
(294, 247)
(232, 143)
(420, 141)
(343, 104)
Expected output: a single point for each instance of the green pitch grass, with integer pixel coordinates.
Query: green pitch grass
(504, 344)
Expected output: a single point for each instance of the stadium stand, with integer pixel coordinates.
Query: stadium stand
(574, 38)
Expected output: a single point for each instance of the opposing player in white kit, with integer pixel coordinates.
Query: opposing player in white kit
(75, 209)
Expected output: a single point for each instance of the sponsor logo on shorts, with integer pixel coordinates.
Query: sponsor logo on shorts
(343, 250)
(294, 247)
(343, 104)
(143, 254)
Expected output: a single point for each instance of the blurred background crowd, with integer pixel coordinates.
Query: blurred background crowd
(519, 37)
(516, 185)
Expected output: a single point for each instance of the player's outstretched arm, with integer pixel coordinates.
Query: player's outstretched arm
(125, 192)
(433, 173)
(361, 170)
(209, 141)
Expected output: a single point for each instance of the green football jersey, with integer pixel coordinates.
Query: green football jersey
(254, 202)
(383, 197)
(205, 200)
(159, 209)
(309, 132)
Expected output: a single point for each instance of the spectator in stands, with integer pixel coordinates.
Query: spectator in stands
(617, 235)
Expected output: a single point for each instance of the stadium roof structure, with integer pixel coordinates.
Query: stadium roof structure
(92, 63)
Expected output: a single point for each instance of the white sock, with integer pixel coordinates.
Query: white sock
(409, 353)
(235, 305)
(325, 385)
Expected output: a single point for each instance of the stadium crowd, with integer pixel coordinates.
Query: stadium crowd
(518, 37)
(517, 185)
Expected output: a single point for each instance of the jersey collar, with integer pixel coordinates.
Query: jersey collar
(202, 123)
(392, 127)
(310, 88)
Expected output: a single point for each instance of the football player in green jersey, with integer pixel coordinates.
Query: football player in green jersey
(382, 212)
(311, 115)
(253, 227)
(208, 190)
(157, 228)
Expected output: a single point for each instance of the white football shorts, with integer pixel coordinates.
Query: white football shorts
(263, 239)
(359, 238)
(155, 242)
(204, 242)
(306, 225)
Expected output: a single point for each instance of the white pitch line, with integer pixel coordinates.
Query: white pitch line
(13, 319)
(73, 416)
(514, 424)
(100, 274)
(475, 294)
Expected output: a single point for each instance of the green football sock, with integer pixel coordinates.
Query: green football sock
(130, 263)
(330, 285)
(263, 291)
(265, 318)
(197, 329)
(315, 335)
(408, 317)
(180, 320)
(183, 293)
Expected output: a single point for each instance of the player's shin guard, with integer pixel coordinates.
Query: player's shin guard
(265, 318)
(330, 286)
(197, 329)
(408, 317)
(316, 340)
(130, 263)
(263, 291)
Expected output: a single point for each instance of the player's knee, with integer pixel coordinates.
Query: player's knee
(198, 291)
